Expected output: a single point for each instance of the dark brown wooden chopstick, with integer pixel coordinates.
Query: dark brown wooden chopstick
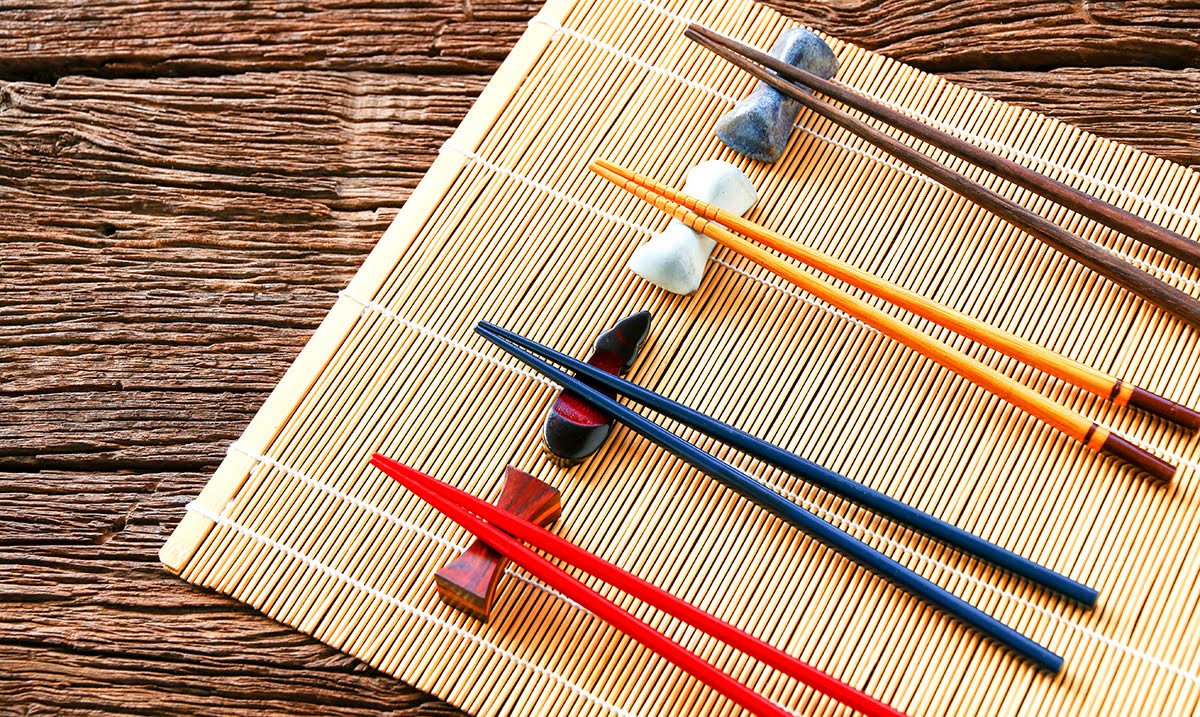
(1090, 255)
(1109, 215)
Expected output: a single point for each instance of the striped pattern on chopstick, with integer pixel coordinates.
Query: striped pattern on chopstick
(509, 226)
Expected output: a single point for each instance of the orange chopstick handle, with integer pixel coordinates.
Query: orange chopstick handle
(1164, 407)
(1153, 465)
(575, 590)
(651, 594)
(1028, 400)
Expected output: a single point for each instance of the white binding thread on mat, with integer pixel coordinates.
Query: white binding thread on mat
(774, 281)
(875, 154)
(681, 19)
(863, 530)
(380, 308)
(373, 510)
(539, 20)
(557, 194)
(965, 134)
(614, 50)
(402, 605)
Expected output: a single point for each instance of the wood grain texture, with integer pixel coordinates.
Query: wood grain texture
(184, 188)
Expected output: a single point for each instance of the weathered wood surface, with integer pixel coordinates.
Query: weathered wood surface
(185, 186)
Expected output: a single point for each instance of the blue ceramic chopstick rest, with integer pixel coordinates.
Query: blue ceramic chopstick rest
(758, 127)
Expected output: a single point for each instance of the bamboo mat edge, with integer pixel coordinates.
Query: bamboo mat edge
(404, 228)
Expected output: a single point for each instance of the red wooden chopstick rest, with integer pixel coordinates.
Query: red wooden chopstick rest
(469, 582)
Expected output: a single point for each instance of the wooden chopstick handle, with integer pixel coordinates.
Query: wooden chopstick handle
(1154, 466)
(1164, 408)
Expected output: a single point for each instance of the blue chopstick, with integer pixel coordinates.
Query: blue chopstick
(817, 475)
(838, 539)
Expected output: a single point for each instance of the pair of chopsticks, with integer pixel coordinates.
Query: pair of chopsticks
(793, 513)
(504, 532)
(781, 76)
(716, 224)
(808, 471)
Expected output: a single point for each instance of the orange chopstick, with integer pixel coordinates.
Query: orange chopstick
(1091, 434)
(468, 510)
(1089, 379)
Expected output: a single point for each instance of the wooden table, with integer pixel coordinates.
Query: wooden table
(185, 186)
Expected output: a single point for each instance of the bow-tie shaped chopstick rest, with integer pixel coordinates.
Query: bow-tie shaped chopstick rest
(468, 582)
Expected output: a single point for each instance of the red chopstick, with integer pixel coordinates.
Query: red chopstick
(456, 503)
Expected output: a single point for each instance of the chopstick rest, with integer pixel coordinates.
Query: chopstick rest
(767, 498)
(758, 126)
(817, 475)
(499, 531)
(1094, 257)
(675, 258)
(468, 583)
(1091, 434)
(573, 429)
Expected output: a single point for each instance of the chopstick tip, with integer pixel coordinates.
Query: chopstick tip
(390, 466)
(600, 166)
(607, 170)
(612, 171)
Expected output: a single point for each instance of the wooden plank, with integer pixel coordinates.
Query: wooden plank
(174, 240)
(91, 623)
(138, 38)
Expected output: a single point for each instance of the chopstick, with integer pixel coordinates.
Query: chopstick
(1091, 434)
(592, 601)
(1089, 379)
(767, 498)
(1090, 255)
(817, 475)
(458, 505)
(1112, 216)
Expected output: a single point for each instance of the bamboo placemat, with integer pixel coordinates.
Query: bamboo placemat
(509, 226)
